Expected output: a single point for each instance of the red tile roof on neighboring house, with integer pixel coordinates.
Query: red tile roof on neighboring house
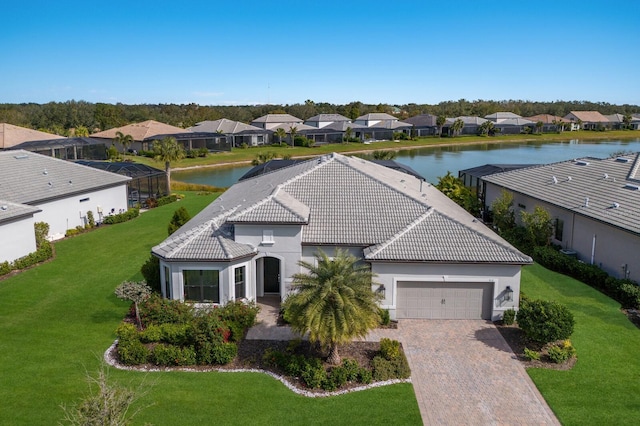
(587, 117)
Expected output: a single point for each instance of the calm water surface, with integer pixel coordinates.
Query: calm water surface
(436, 161)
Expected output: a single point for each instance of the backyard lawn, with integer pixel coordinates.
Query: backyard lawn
(603, 388)
(57, 319)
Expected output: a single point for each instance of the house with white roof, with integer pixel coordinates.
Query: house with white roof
(55, 191)
(432, 259)
(594, 203)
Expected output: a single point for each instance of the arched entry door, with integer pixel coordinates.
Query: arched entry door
(271, 275)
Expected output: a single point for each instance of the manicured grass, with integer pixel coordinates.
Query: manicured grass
(57, 319)
(604, 386)
(239, 155)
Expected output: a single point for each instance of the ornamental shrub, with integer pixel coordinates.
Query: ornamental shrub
(176, 334)
(531, 355)
(132, 352)
(508, 317)
(561, 353)
(156, 310)
(313, 373)
(222, 353)
(151, 272)
(127, 331)
(389, 349)
(151, 334)
(173, 355)
(180, 217)
(351, 368)
(121, 217)
(365, 376)
(385, 369)
(385, 317)
(545, 321)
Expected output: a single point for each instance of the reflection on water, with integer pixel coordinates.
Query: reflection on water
(433, 162)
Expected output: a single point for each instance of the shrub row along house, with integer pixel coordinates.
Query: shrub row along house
(594, 203)
(432, 259)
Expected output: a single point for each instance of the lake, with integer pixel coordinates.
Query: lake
(434, 162)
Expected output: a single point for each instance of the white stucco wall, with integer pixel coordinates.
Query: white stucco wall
(72, 211)
(17, 239)
(388, 274)
(612, 247)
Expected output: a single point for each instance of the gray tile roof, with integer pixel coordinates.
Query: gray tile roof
(228, 127)
(425, 120)
(30, 178)
(502, 115)
(376, 116)
(568, 184)
(12, 211)
(349, 201)
(277, 118)
(327, 117)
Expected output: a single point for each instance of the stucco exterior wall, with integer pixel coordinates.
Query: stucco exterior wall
(388, 274)
(614, 250)
(18, 239)
(72, 211)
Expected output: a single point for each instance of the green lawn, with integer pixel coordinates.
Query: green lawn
(604, 386)
(57, 319)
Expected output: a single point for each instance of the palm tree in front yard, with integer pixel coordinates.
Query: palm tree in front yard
(333, 301)
(167, 150)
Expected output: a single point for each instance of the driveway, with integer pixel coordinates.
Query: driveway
(464, 373)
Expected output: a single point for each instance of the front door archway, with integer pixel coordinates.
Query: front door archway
(271, 277)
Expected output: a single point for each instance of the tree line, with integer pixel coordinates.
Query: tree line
(80, 117)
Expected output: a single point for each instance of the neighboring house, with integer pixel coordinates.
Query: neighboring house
(275, 121)
(334, 132)
(322, 120)
(62, 191)
(594, 203)
(17, 230)
(548, 121)
(471, 125)
(423, 124)
(616, 120)
(76, 148)
(431, 258)
(11, 135)
(514, 126)
(380, 126)
(143, 134)
(192, 141)
(587, 120)
(498, 117)
(635, 122)
(236, 132)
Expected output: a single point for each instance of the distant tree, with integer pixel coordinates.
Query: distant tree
(333, 301)
(454, 188)
(281, 134)
(440, 120)
(539, 126)
(136, 292)
(384, 155)
(180, 217)
(81, 132)
(167, 150)
(125, 141)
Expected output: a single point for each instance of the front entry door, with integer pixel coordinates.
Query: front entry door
(271, 275)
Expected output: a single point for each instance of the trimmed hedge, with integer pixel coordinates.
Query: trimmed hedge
(545, 321)
(121, 217)
(44, 251)
(626, 292)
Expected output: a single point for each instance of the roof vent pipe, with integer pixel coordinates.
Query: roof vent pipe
(555, 179)
(586, 201)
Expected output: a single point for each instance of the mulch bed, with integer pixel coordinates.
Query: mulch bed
(516, 339)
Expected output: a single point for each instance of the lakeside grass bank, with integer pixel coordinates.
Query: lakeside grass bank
(240, 156)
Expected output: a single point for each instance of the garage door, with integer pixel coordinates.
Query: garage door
(439, 301)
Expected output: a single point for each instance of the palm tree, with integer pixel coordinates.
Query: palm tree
(167, 150)
(384, 155)
(559, 124)
(539, 126)
(440, 122)
(347, 134)
(333, 302)
(457, 126)
(487, 128)
(626, 120)
(293, 130)
(281, 134)
(124, 140)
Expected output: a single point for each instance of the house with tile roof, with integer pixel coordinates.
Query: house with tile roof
(236, 132)
(432, 259)
(379, 126)
(587, 120)
(594, 203)
(274, 121)
(423, 124)
(62, 192)
(549, 121)
(11, 135)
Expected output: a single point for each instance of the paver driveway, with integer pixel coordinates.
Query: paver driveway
(463, 372)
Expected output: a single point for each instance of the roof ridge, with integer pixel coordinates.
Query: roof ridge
(284, 206)
(322, 160)
(397, 235)
(634, 169)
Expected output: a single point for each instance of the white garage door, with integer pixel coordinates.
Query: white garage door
(444, 301)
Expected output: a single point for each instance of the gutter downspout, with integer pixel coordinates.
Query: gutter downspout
(593, 249)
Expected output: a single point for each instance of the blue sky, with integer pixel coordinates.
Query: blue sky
(252, 52)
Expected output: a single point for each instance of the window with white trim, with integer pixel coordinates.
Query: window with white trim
(202, 285)
(267, 236)
(239, 276)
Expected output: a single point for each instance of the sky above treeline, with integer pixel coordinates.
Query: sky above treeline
(285, 52)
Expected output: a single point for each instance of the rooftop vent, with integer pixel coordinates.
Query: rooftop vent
(582, 163)
(632, 187)
(615, 205)
(605, 176)
(45, 172)
(623, 160)
(569, 178)
(3, 207)
(555, 179)
(50, 184)
(21, 156)
(586, 201)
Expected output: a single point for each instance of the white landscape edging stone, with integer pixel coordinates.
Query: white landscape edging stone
(110, 359)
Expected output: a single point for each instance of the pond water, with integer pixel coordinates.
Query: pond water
(434, 162)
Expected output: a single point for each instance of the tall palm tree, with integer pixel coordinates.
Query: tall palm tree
(293, 131)
(167, 150)
(539, 126)
(333, 301)
(347, 135)
(457, 126)
(124, 140)
(384, 155)
(281, 134)
(440, 120)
